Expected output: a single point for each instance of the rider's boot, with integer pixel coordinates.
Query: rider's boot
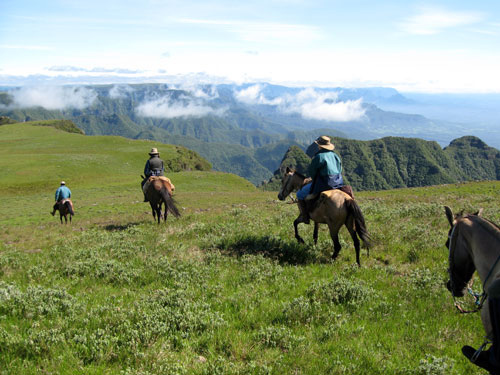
(303, 211)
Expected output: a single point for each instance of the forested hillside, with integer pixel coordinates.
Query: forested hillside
(395, 162)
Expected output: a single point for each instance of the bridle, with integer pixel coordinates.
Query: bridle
(479, 298)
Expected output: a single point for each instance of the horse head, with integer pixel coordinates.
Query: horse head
(286, 184)
(460, 262)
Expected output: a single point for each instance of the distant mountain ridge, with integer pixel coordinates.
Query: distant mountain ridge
(394, 162)
(242, 129)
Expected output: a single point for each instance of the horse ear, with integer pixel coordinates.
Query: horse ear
(288, 170)
(449, 215)
(479, 213)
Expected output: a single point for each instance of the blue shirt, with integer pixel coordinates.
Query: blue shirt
(62, 192)
(325, 163)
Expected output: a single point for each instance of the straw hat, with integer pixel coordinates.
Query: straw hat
(63, 183)
(324, 142)
(154, 151)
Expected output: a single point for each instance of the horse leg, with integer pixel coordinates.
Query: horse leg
(158, 213)
(354, 235)
(153, 209)
(315, 233)
(334, 234)
(295, 226)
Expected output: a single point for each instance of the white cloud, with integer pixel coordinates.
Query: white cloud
(434, 20)
(69, 68)
(253, 95)
(53, 97)
(120, 91)
(166, 108)
(206, 92)
(309, 103)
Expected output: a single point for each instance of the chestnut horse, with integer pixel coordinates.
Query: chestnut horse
(474, 245)
(159, 192)
(65, 208)
(334, 208)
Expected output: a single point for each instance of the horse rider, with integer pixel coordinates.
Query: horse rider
(489, 359)
(154, 167)
(62, 192)
(326, 173)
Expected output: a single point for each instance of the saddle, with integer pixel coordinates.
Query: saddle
(312, 199)
(346, 189)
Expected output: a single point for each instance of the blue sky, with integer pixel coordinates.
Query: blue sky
(433, 46)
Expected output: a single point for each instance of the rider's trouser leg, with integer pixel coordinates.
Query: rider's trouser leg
(303, 210)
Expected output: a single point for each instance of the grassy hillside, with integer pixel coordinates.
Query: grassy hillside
(225, 289)
(37, 157)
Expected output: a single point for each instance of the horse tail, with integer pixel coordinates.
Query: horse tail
(169, 202)
(359, 220)
(69, 206)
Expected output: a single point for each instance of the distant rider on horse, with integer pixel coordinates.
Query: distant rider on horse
(62, 192)
(154, 167)
(326, 173)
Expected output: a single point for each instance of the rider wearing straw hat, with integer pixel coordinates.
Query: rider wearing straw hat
(326, 173)
(154, 167)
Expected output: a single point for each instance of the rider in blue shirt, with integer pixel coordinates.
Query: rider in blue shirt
(326, 173)
(62, 192)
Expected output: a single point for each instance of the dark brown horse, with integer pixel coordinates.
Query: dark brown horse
(334, 208)
(158, 193)
(65, 208)
(474, 245)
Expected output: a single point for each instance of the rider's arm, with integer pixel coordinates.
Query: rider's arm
(57, 194)
(146, 169)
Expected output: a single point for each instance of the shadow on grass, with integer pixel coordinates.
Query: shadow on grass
(268, 246)
(119, 228)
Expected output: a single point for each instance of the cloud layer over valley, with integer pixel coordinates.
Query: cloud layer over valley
(52, 97)
(166, 108)
(309, 103)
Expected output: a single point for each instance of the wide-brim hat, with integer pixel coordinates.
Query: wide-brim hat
(325, 143)
(63, 183)
(154, 151)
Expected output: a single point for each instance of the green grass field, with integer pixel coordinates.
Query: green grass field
(225, 289)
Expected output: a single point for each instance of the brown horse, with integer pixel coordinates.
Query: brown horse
(159, 192)
(65, 208)
(334, 208)
(474, 245)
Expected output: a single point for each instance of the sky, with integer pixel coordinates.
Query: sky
(413, 46)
